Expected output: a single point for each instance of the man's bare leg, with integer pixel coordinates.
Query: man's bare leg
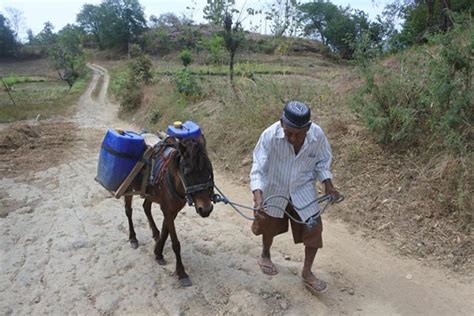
(314, 284)
(264, 261)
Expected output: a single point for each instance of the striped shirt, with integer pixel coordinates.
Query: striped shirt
(276, 170)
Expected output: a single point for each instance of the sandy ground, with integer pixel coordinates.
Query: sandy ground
(64, 250)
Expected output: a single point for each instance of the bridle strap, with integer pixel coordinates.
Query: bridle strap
(188, 190)
(198, 187)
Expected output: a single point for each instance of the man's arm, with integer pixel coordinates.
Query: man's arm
(322, 168)
(330, 190)
(257, 201)
(258, 172)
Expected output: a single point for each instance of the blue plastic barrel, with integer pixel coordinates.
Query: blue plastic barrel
(187, 129)
(118, 155)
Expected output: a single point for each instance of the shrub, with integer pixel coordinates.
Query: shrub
(134, 50)
(215, 48)
(186, 83)
(155, 116)
(158, 41)
(141, 68)
(131, 96)
(390, 102)
(186, 57)
(423, 95)
(127, 83)
(450, 90)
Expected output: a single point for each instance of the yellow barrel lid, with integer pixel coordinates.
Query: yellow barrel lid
(178, 124)
(120, 131)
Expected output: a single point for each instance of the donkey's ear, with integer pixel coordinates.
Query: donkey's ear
(202, 139)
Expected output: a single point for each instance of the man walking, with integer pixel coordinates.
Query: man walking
(290, 156)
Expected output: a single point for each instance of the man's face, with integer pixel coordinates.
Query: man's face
(295, 136)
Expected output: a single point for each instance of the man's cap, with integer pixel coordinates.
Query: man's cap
(296, 114)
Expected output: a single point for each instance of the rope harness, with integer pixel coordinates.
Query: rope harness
(310, 222)
(163, 172)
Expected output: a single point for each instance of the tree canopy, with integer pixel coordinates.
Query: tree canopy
(7, 38)
(113, 23)
(66, 53)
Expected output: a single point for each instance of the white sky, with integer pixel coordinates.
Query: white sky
(61, 12)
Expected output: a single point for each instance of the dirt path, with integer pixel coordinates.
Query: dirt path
(64, 250)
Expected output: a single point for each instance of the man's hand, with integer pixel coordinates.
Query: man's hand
(257, 202)
(330, 190)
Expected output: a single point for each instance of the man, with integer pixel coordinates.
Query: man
(288, 159)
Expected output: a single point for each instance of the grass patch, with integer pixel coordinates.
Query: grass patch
(117, 76)
(240, 69)
(14, 79)
(45, 99)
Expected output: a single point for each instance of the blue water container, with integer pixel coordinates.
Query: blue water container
(187, 129)
(118, 155)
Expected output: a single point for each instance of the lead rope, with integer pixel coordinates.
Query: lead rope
(310, 222)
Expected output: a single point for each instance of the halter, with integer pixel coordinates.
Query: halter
(188, 190)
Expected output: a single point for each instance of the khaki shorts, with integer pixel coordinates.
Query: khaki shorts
(273, 226)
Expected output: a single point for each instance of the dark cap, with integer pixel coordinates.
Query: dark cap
(296, 114)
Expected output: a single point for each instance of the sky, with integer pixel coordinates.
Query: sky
(61, 12)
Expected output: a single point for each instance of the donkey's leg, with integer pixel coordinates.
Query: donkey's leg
(128, 210)
(151, 221)
(160, 244)
(184, 279)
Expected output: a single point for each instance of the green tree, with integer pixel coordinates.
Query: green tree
(90, 20)
(233, 36)
(30, 36)
(283, 15)
(113, 23)
(424, 17)
(17, 21)
(340, 27)
(7, 38)
(215, 10)
(316, 16)
(67, 55)
(46, 37)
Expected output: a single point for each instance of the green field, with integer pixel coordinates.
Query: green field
(35, 96)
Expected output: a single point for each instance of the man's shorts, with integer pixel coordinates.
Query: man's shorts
(273, 226)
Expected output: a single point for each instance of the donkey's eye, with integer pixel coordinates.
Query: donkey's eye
(187, 171)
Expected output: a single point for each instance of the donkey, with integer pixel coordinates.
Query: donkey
(186, 176)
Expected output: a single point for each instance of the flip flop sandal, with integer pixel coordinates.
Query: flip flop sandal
(271, 267)
(317, 287)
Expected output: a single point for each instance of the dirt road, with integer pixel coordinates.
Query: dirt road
(64, 250)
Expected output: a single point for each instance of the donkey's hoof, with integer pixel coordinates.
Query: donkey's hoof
(185, 282)
(161, 261)
(134, 243)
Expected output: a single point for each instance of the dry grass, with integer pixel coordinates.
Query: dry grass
(35, 67)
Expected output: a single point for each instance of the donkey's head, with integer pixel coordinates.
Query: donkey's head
(197, 174)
